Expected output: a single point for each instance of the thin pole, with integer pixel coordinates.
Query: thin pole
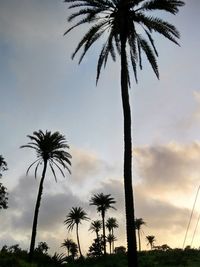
(195, 230)
(191, 216)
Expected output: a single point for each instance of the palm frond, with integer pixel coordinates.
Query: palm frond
(170, 6)
(31, 166)
(89, 38)
(149, 53)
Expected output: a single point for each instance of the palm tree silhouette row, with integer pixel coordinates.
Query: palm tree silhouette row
(51, 151)
(103, 203)
(67, 244)
(71, 247)
(74, 218)
(120, 20)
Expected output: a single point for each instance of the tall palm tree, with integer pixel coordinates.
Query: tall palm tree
(111, 224)
(120, 20)
(74, 218)
(138, 223)
(51, 151)
(103, 203)
(151, 240)
(96, 227)
(111, 239)
(67, 244)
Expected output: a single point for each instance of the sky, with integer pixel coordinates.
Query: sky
(42, 88)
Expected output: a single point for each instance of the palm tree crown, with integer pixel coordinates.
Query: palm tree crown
(111, 223)
(75, 216)
(50, 147)
(114, 16)
(151, 239)
(96, 226)
(138, 223)
(103, 202)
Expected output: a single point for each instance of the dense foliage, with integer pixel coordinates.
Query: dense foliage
(3, 189)
(15, 257)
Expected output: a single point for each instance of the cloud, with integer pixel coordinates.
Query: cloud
(166, 174)
(166, 168)
(192, 118)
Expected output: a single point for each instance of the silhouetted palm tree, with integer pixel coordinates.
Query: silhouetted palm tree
(103, 203)
(138, 223)
(110, 239)
(112, 223)
(74, 250)
(96, 227)
(74, 218)
(120, 20)
(67, 244)
(51, 151)
(151, 239)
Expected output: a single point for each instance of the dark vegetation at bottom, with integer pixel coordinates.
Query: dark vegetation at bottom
(170, 258)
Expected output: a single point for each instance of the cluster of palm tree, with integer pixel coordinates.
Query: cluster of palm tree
(76, 215)
(111, 224)
(71, 246)
(122, 23)
(139, 222)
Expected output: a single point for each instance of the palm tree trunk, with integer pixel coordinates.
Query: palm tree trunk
(129, 202)
(79, 247)
(104, 232)
(113, 242)
(110, 246)
(35, 219)
(139, 241)
(98, 240)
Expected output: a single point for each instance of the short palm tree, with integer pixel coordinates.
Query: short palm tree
(151, 240)
(138, 224)
(74, 250)
(110, 239)
(111, 224)
(103, 203)
(67, 244)
(120, 20)
(74, 218)
(51, 151)
(96, 226)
